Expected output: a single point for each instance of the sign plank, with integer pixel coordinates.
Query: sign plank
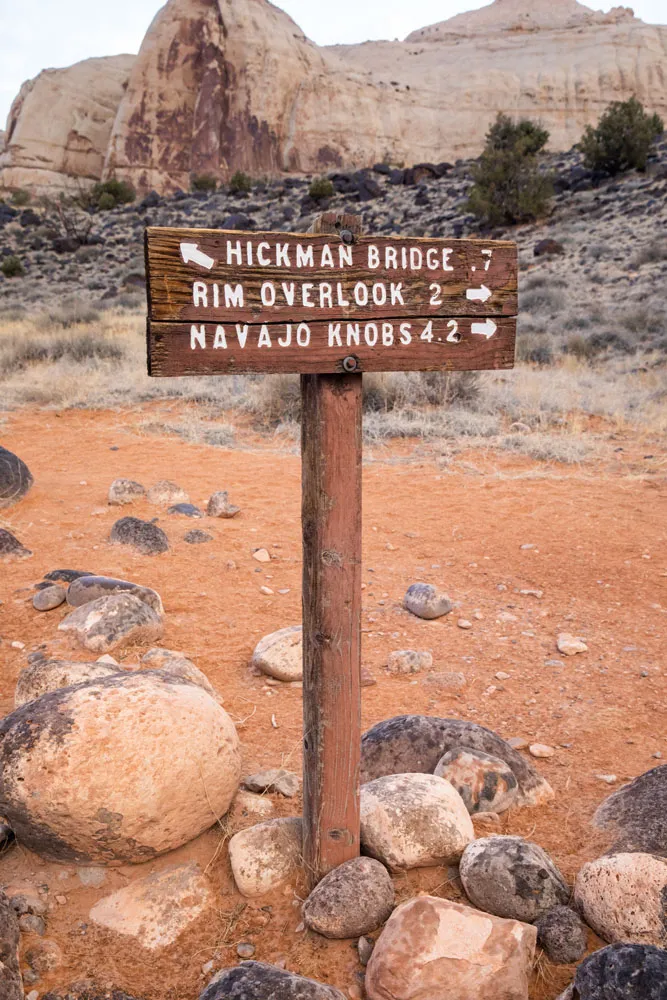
(216, 276)
(421, 344)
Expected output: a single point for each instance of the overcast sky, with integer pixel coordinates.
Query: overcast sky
(39, 34)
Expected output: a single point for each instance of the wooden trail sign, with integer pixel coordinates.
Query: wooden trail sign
(329, 305)
(225, 302)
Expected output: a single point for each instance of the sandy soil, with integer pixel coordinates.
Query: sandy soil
(598, 556)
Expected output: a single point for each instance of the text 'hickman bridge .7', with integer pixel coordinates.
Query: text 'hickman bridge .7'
(228, 302)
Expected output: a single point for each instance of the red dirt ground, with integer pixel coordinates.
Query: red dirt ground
(599, 557)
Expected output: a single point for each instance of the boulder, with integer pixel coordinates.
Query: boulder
(273, 780)
(11, 548)
(165, 493)
(183, 669)
(144, 536)
(433, 949)
(637, 813)
(117, 770)
(11, 983)
(484, 782)
(354, 899)
(426, 601)
(413, 821)
(15, 478)
(248, 809)
(219, 506)
(125, 491)
(409, 661)
(280, 654)
(257, 981)
(118, 620)
(89, 588)
(446, 680)
(622, 972)
(64, 576)
(417, 742)
(157, 909)
(562, 935)
(49, 598)
(42, 676)
(266, 855)
(623, 896)
(512, 877)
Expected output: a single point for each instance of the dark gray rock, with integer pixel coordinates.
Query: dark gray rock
(426, 601)
(623, 972)
(144, 536)
(64, 576)
(484, 782)
(88, 992)
(415, 743)
(11, 984)
(102, 625)
(15, 478)
(90, 588)
(186, 509)
(637, 814)
(354, 899)
(512, 877)
(562, 934)
(11, 548)
(6, 835)
(257, 981)
(197, 537)
(48, 598)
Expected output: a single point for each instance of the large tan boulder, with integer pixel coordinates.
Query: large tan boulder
(118, 770)
(622, 897)
(265, 855)
(433, 949)
(59, 125)
(42, 676)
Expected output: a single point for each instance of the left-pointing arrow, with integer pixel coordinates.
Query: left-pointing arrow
(191, 254)
(485, 329)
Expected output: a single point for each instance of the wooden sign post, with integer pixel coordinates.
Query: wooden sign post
(329, 305)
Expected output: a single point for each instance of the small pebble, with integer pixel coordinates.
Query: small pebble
(541, 750)
(245, 949)
(609, 779)
(570, 644)
(367, 679)
(365, 947)
(18, 645)
(266, 591)
(464, 623)
(502, 676)
(518, 742)
(261, 555)
(49, 598)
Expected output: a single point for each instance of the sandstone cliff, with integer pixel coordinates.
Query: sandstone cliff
(59, 125)
(221, 85)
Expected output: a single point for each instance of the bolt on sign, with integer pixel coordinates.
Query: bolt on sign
(330, 305)
(225, 302)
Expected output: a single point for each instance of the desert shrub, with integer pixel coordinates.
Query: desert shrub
(20, 197)
(541, 300)
(321, 188)
(653, 253)
(71, 312)
(19, 353)
(579, 347)
(609, 340)
(622, 138)
(534, 349)
(12, 267)
(204, 182)
(112, 193)
(508, 185)
(240, 183)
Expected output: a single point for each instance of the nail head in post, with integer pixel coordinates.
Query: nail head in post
(347, 236)
(350, 364)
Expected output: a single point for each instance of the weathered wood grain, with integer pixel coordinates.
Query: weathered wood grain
(331, 409)
(425, 292)
(170, 353)
(331, 516)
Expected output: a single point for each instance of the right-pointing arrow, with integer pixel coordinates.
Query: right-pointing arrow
(479, 294)
(485, 329)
